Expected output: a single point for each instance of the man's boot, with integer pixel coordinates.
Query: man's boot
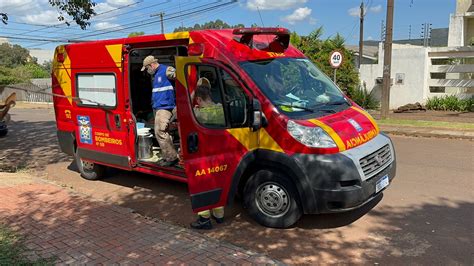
(202, 223)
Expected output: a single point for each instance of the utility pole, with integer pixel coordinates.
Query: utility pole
(161, 19)
(161, 14)
(361, 35)
(387, 64)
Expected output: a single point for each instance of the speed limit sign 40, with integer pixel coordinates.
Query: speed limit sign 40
(336, 59)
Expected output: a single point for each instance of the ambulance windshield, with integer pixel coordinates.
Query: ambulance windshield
(296, 85)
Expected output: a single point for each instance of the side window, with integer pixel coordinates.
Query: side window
(97, 89)
(206, 97)
(218, 100)
(235, 99)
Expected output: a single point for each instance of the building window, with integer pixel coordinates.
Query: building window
(97, 89)
(437, 89)
(400, 78)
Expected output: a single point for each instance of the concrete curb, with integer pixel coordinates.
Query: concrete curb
(428, 132)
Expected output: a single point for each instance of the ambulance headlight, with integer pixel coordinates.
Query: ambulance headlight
(314, 137)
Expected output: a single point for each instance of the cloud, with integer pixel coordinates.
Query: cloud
(376, 9)
(120, 2)
(274, 4)
(355, 11)
(105, 25)
(298, 15)
(48, 17)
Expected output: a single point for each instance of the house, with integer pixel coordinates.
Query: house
(422, 72)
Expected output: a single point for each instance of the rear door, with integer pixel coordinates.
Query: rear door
(100, 113)
(211, 155)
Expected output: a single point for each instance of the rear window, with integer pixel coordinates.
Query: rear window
(97, 89)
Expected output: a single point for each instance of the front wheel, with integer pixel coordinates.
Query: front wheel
(89, 170)
(272, 200)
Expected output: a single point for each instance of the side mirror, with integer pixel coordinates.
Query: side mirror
(257, 119)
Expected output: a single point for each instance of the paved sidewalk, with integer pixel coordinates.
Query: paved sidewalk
(76, 230)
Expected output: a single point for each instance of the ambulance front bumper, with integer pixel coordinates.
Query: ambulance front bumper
(348, 180)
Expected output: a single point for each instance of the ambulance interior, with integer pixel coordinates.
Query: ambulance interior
(225, 91)
(140, 94)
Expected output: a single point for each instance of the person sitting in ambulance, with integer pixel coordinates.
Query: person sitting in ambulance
(163, 103)
(208, 113)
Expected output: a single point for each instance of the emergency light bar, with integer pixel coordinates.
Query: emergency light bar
(282, 35)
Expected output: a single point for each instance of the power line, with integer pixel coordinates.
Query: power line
(105, 12)
(167, 18)
(105, 29)
(39, 39)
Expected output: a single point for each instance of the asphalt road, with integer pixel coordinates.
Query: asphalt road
(425, 217)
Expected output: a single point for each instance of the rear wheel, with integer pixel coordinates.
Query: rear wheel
(89, 170)
(272, 200)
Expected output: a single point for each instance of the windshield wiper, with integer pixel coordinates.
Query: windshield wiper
(320, 107)
(338, 103)
(297, 107)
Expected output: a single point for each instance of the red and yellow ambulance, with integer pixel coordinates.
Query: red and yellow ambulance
(289, 141)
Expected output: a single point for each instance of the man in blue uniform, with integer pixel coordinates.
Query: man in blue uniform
(163, 103)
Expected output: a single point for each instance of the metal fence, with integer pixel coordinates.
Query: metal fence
(38, 91)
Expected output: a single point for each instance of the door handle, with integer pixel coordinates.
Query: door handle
(118, 123)
(192, 142)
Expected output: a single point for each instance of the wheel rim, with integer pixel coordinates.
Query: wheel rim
(89, 166)
(272, 199)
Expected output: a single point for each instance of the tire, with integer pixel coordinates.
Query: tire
(89, 170)
(272, 200)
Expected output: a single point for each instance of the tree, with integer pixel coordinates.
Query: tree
(14, 55)
(218, 24)
(80, 11)
(48, 66)
(318, 51)
(136, 33)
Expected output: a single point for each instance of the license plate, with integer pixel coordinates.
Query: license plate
(381, 184)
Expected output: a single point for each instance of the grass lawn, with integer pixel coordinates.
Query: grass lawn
(13, 249)
(419, 123)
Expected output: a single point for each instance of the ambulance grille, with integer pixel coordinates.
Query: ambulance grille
(376, 161)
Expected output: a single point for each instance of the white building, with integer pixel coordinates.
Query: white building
(42, 55)
(419, 73)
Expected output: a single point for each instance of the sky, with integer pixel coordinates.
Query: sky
(33, 23)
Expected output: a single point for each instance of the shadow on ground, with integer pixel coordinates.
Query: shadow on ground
(422, 234)
(30, 145)
(316, 238)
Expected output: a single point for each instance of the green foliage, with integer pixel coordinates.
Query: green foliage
(13, 55)
(364, 98)
(48, 66)
(450, 103)
(80, 11)
(13, 248)
(136, 33)
(4, 18)
(16, 65)
(218, 24)
(33, 71)
(318, 51)
(8, 76)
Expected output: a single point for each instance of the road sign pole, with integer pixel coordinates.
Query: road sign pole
(335, 70)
